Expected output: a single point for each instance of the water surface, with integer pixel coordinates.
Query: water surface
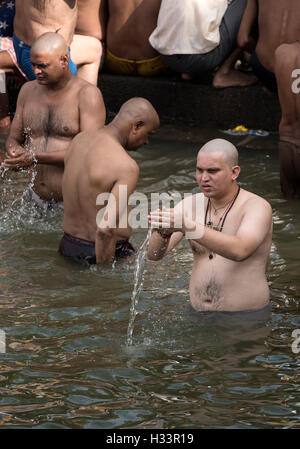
(68, 363)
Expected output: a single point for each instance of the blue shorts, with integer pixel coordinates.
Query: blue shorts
(23, 57)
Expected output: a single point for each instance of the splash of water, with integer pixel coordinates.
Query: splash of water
(138, 285)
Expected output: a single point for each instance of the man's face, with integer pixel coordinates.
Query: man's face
(213, 174)
(47, 67)
(140, 134)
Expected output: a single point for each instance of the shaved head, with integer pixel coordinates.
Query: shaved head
(224, 147)
(138, 109)
(50, 43)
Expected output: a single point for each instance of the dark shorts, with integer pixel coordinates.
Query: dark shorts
(83, 251)
(23, 57)
(264, 75)
(195, 64)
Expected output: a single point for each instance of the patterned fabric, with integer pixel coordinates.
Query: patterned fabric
(7, 13)
(6, 44)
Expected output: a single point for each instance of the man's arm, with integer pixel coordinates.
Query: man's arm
(108, 227)
(244, 38)
(255, 226)
(163, 240)
(92, 109)
(161, 244)
(92, 116)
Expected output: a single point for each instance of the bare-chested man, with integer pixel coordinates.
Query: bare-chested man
(98, 163)
(36, 17)
(50, 111)
(275, 61)
(231, 239)
(88, 41)
(129, 26)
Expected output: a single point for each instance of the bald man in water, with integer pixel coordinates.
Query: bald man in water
(276, 61)
(99, 168)
(50, 111)
(229, 231)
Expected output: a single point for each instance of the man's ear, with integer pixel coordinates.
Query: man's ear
(64, 59)
(235, 172)
(137, 126)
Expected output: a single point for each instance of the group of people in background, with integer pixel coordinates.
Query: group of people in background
(58, 47)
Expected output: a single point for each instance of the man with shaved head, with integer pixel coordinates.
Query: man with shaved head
(50, 111)
(229, 231)
(98, 166)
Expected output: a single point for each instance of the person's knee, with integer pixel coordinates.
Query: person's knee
(287, 53)
(96, 48)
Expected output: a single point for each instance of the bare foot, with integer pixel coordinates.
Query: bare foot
(233, 78)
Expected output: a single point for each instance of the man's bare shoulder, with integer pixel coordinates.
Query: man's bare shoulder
(88, 93)
(254, 202)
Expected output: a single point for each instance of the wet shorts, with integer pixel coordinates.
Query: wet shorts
(83, 251)
(23, 57)
(264, 75)
(146, 67)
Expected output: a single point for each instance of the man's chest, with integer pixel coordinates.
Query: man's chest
(46, 118)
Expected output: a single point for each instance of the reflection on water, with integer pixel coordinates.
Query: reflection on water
(68, 363)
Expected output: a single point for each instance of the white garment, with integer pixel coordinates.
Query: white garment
(188, 26)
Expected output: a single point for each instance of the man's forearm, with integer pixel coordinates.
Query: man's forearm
(158, 246)
(51, 157)
(13, 147)
(229, 246)
(248, 20)
(105, 247)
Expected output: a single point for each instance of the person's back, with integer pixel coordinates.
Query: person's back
(279, 23)
(89, 20)
(36, 17)
(89, 160)
(99, 169)
(129, 26)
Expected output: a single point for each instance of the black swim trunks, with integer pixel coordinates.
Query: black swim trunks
(264, 75)
(83, 251)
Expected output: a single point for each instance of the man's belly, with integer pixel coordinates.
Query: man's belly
(223, 285)
(48, 182)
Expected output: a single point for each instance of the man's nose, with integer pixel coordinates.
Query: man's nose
(36, 70)
(205, 176)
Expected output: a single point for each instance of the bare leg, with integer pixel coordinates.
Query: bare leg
(6, 65)
(228, 76)
(287, 60)
(86, 52)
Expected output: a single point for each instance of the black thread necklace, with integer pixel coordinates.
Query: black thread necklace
(222, 219)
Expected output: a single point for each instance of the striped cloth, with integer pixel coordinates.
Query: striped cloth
(6, 44)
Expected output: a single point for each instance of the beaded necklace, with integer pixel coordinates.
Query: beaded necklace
(222, 219)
